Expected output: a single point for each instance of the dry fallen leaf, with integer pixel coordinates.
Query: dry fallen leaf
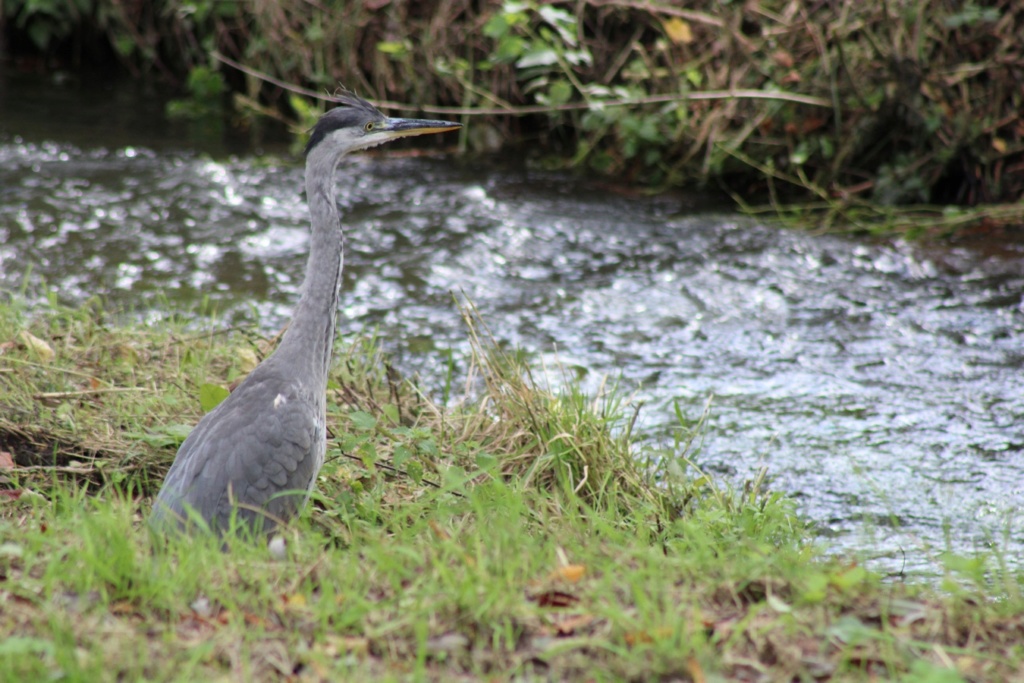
(678, 30)
(570, 625)
(295, 600)
(337, 645)
(813, 123)
(42, 350)
(783, 59)
(649, 636)
(696, 672)
(255, 620)
(438, 531)
(555, 599)
(123, 607)
(6, 461)
(570, 572)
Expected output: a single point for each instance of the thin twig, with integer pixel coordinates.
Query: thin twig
(86, 392)
(747, 94)
(586, 475)
(696, 17)
(51, 368)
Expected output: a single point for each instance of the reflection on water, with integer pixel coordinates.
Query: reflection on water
(880, 384)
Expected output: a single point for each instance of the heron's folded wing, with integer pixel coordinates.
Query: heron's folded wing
(263, 440)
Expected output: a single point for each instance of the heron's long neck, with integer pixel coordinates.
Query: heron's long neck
(310, 337)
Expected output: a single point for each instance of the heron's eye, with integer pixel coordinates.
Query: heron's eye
(369, 126)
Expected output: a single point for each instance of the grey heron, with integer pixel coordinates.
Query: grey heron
(257, 454)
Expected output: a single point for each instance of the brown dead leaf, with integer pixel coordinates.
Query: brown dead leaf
(570, 572)
(438, 531)
(333, 646)
(783, 59)
(294, 601)
(6, 461)
(570, 625)
(123, 607)
(555, 598)
(7, 494)
(813, 123)
(696, 672)
(255, 620)
(678, 30)
(18, 599)
(639, 637)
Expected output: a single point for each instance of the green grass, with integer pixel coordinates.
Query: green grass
(520, 533)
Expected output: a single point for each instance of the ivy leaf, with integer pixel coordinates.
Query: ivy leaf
(541, 56)
(211, 395)
(393, 47)
(560, 92)
(166, 436)
(362, 420)
(401, 455)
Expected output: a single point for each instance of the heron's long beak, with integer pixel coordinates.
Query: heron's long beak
(401, 128)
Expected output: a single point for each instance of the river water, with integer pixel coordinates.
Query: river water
(880, 383)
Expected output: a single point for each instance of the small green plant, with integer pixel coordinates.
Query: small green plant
(206, 90)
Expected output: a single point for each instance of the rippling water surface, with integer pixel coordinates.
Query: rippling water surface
(880, 383)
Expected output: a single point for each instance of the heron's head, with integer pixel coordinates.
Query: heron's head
(357, 124)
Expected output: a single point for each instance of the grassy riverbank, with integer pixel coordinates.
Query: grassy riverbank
(519, 533)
